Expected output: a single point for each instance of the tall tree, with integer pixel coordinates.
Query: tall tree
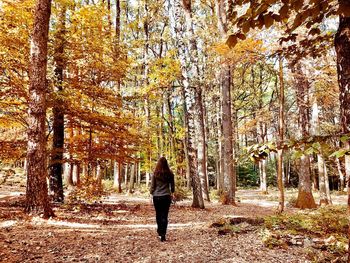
(281, 124)
(342, 47)
(190, 84)
(202, 149)
(37, 192)
(55, 183)
(305, 198)
(229, 168)
(321, 165)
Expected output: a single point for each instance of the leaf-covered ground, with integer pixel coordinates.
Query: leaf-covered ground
(122, 229)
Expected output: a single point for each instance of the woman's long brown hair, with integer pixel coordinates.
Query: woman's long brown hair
(162, 168)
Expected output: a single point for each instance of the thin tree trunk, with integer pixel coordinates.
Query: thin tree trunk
(263, 184)
(187, 161)
(69, 164)
(201, 146)
(126, 176)
(99, 175)
(37, 190)
(138, 173)
(323, 183)
(55, 182)
(116, 174)
(76, 179)
(173, 149)
(262, 163)
(220, 149)
(321, 180)
(149, 149)
(328, 192)
(341, 176)
(280, 139)
(132, 178)
(223, 14)
(117, 20)
(120, 170)
(228, 165)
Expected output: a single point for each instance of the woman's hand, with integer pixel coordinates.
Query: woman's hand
(173, 198)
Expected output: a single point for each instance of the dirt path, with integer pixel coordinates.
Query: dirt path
(122, 229)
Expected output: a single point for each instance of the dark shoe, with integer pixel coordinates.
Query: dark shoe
(162, 238)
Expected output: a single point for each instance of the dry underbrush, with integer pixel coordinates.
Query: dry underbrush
(322, 232)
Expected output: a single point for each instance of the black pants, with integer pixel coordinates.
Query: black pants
(161, 205)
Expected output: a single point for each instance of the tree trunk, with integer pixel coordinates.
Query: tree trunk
(341, 176)
(132, 179)
(138, 173)
(116, 174)
(126, 176)
(36, 191)
(173, 150)
(280, 140)
(305, 198)
(328, 192)
(263, 183)
(56, 184)
(220, 149)
(190, 82)
(323, 183)
(321, 180)
(120, 172)
(201, 146)
(262, 163)
(76, 178)
(342, 47)
(187, 161)
(99, 175)
(228, 164)
(69, 173)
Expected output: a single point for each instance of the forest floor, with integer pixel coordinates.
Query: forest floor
(122, 228)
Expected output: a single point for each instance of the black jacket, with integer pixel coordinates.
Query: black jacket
(162, 185)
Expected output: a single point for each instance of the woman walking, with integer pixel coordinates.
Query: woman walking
(162, 190)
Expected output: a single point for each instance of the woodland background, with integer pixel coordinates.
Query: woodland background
(235, 94)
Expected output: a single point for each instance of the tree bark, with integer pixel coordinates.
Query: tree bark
(228, 168)
(126, 176)
(76, 174)
(328, 192)
(262, 163)
(305, 198)
(173, 149)
(201, 146)
(190, 82)
(132, 178)
(342, 47)
(37, 191)
(116, 174)
(280, 142)
(56, 183)
(341, 176)
(220, 149)
(227, 132)
(323, 183)
(321, 180)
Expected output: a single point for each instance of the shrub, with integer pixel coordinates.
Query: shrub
(89, 190)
